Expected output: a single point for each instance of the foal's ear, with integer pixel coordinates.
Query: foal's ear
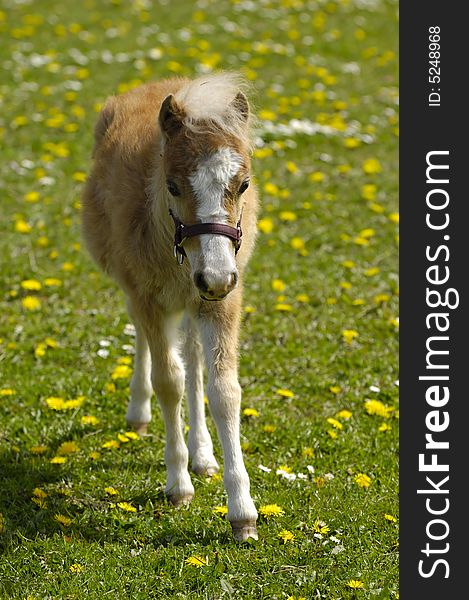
(171, 116)
(241, 106)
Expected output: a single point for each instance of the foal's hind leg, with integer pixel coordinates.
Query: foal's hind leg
(199, 441)
(167, 377)
(139, 408)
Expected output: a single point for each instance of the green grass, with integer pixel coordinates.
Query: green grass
(331, 63)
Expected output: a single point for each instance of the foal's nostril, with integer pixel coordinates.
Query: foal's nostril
(200, 282)
(233, 279)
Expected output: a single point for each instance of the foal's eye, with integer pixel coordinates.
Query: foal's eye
(244, 186)
(173, 188)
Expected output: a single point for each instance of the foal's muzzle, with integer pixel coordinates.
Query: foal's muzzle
(215, 285)
(182, 232)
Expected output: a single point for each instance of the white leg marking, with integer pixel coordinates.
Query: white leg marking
(168, 382)
(224, 395)
(139, 408)
(199, 440)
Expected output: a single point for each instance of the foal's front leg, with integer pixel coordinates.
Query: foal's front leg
(219, 331)
(199, 440)
(167, 377)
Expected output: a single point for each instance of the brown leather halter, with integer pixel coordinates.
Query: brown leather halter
(183, 232)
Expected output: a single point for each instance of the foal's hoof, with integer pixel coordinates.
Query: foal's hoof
(243, 530)
(180, 499)
(140, 428)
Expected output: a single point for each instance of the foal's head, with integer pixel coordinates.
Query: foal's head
(207, 169)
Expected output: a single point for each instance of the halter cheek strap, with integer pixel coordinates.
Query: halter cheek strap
(183, 232)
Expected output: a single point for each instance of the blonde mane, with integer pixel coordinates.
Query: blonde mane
(208, 103)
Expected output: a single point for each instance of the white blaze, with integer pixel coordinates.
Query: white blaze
(210, 180)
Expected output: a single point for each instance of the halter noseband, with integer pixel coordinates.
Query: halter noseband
(183, 232)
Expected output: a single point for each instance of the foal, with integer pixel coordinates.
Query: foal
(171, 174)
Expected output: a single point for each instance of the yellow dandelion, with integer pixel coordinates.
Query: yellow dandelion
(316, 177)
(124, 360)
(267, 115)
(249, 309)
(286, 536)
(367, 233)
(132, 435)
(362, 480)
(335, 389)
(63, 520)
(111, 444)
(21, 226)
(74, 403)
(371, 166)
(297, 243)
(355, 584)
(348, 335)
(376, 407)
(307, 452)
(335, 423)
(344, 414)
(285, 393)
(332, 433)
(320, 527)
(384, 427)
(76, 568)
(287, 215)
(38, 449)
(361, 241)
(265, 225)
(303, 298)
(269, 428)
(352, 142)
(55, 403)
(7, 392)
(31, 303)
(126, 506)
(278, 285)
(31, 285)
(250, 412)
(40, 350)
(94, 455)
(40, 502)
(369, 191)
(394, 217)
(79, 176)
(197, 561)
(89, 420)
(123, 438)
(58, 460)
(111, 491)
(52, 282)
(371, 271)
(67, 448)
(283, 307)
(220, 510)
(121, 372)
(390, 518)
(271, 511)
(32, 196)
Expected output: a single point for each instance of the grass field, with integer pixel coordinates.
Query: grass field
(82, 509)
